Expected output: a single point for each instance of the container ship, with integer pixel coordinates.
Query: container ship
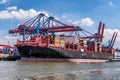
(47, 37)
(42, 48)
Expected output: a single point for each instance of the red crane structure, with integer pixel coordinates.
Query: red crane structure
(7, 46)
(111, 44)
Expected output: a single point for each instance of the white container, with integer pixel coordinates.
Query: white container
(72, 39)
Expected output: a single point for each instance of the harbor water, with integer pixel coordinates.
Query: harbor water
(16, 70)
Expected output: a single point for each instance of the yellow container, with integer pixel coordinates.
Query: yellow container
(57, 39)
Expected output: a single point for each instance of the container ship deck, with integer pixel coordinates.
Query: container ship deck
(60, 49)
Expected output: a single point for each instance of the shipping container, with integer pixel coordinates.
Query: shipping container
(70, 39)
(56, 36)
(95, 47)
(62, 43)
(83, 43)
(57, 42)
(99, 47)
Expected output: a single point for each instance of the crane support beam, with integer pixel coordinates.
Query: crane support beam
(52, 29)
(7, 46)
(93, 37)
(100, 31)
(99, 27)
(113, 39)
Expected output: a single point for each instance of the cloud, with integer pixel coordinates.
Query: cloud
(63, 16)
(7, 39)
(11, 40)
(111, 4)
(84, 22)
(12, 8)
(109, 32)
(19, 14)
(3, 1)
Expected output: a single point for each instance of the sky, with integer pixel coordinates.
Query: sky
(84, 13)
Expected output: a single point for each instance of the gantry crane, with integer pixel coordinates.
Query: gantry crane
(111, 44)
(41, 24)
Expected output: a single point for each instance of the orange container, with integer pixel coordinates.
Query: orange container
(57, 42)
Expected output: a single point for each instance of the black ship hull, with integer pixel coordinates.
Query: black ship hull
(46, 52)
